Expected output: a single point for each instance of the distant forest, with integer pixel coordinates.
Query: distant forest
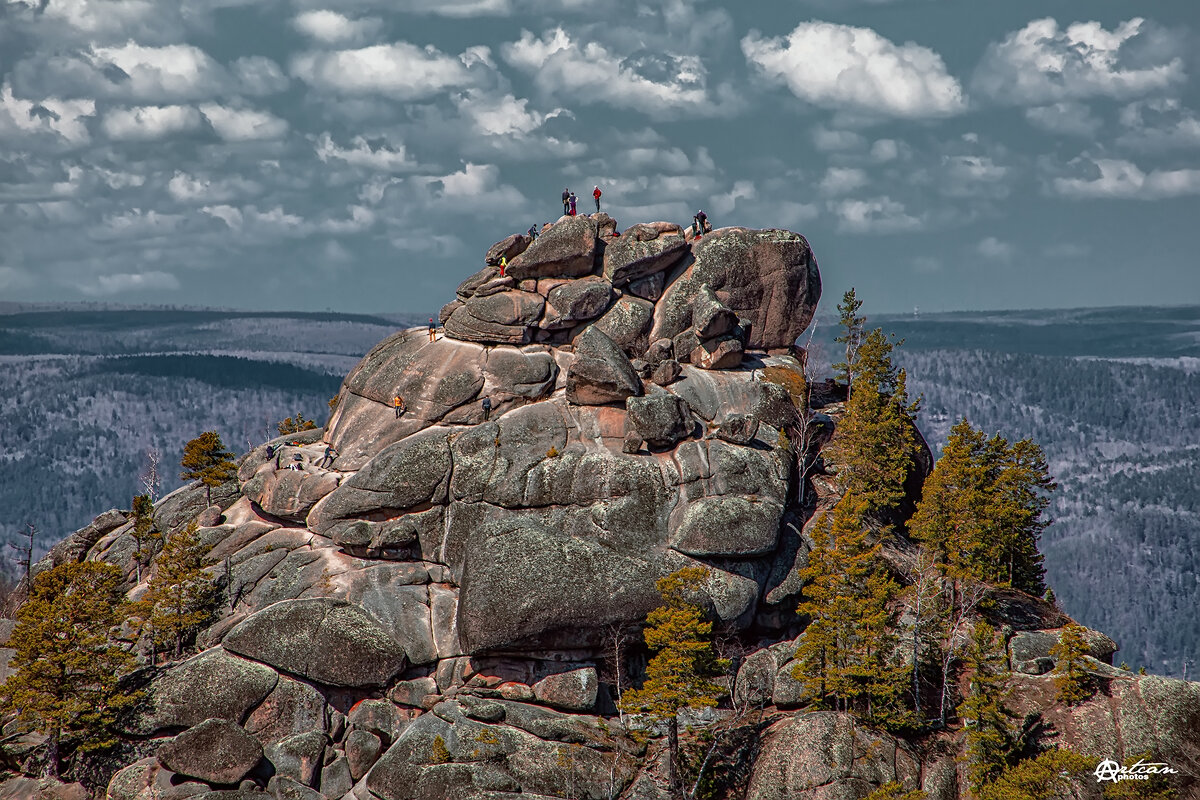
(1110, 394)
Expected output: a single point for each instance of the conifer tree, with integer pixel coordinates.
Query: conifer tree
(68, 669)
(205, 459)
(1071, 676)
(1051, 775)
(847, 657)
(876, 437)
(680, 673)
(145, 533)
(851, 337)
(181, 596)
(892, 790)
(295, 425)
(985, 719)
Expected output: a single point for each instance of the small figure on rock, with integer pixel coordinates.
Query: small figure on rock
(487, 408)
(571, 201)
(398, 404)
(432, 329)
(566, 201)
(532, 232)
(596, 194)
(327, 459)
(273, 452)
(503, 265)
(699, 220)
(297, 462)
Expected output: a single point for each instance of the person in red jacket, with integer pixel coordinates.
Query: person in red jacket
(596, 194)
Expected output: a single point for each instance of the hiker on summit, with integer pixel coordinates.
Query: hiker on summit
(398, 404)
(532, 232)
(503, 265)
(566, 201)
(327, 459)
(698, 222)
(572, 203)
(596, 194)
(432, 329)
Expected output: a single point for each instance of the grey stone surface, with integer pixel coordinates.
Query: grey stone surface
(524, 374)
(509, 247)
(362, 751)
(710, 317)
(574, 302)
(568, 249)
(642, 250)
(292, 707)
(299, 756)
(627, 323)
(574, 690)
(213, 684)
(215, 751)
(600, 372)
(660, 420)
(328, 641)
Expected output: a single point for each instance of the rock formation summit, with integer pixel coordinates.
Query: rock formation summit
(429, 616)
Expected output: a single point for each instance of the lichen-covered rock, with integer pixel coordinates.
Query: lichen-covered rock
(215, 751)
(509, 248)
(325, 640)
(627, 323)
(766, 276)
(213, 684)
(574, 690)
(291, 494)
(292, 707)
(362, 751)
(600, 372)
(43, 789)
(507, 307)
(661, 420)
(723, 353)
(573, 302)
(727, 526)
(710, 318)
(1031, 646)
(463, 324)
(568, 249)
(298, 756)
(529, 374)
(642, 250)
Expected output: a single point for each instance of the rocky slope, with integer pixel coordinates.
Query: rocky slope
(427, 616)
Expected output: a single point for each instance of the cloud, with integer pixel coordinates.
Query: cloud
(1042, 64)
(259, 75)
(1065, 119)
(974, 176)
(363, 153)
(401, 70)
(254, 225)
(476, 188)
(827, 140)
(331, 27)
(876, 215)
(173, 72)
(12, 279)
(1159, 124)
(243, 125)
(502, 115)
(124, 282)
(725, 202)
(996, 250)
(187, 188)
(144, 123)
(885, 150)
(848, 68)
(590, 73)
(62, 118)
(841, 180)
(1117, 179)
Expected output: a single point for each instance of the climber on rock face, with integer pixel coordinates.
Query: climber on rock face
(566, 201)
(398, 404)
(487, 408)
(596, 194)
(503, 265)
(432, 329)
(532, 232)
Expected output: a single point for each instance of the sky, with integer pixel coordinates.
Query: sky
(361, 155)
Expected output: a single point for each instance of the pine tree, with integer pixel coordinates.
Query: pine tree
(295, 425)
(851, 336)
(181, 596)
(680, 673)
(205, 459)
(68, 669)
(875, 439)
(1071, 676)
(1050, 775)
(985, 719)
(146, 535)
(847, 658)
(980, 510)
(892, 790)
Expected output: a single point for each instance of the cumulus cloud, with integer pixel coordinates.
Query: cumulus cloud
(144, 123)
(376, 155)
(259, 75)
(477, 187)
(62, 118)
(1065, 119)
(1162, 123)
(875, 215)
(827, 140)
(885, 150)
(841, 180)
(187, 188)
(173, 72)
(500, 115)
(1043, 63)
(856, 69)
(1117, 179)
(255, 224)
(243, 124)
(996, 250)
(331, 27)
(401, 70)
(590, 73)
(974, 176)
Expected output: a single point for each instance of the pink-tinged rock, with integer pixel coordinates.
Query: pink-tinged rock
(567, 250)
(724, 353)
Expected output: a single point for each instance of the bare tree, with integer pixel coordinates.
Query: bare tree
(151, 477)
(924, 601)
(25, 551)
(616, 640)
(961, 599)
(807, 427)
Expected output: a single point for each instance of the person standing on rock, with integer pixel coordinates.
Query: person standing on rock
(566, 201)
(487, 408)
(532, 233)
(698, 222)
(596, 194)
(503, 265)
(398, 404)
(327, 459)
(432, 329)
(571, 201)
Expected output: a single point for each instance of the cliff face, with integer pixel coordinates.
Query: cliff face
(426, 615)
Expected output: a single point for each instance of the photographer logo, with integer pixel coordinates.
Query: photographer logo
(1109, 770)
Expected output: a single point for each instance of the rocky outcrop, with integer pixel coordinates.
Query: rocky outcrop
(215, 751)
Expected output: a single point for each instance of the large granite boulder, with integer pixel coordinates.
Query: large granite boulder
(566, 250)
(574, 302)
(509, 308)
(600, 372)
(213, 684)
(324, 640)
(627, 323)
(463, 324)
(215, 751)
(642, 250)
(660, 420)
(528, 373)
(509, 248)
(766, 276)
